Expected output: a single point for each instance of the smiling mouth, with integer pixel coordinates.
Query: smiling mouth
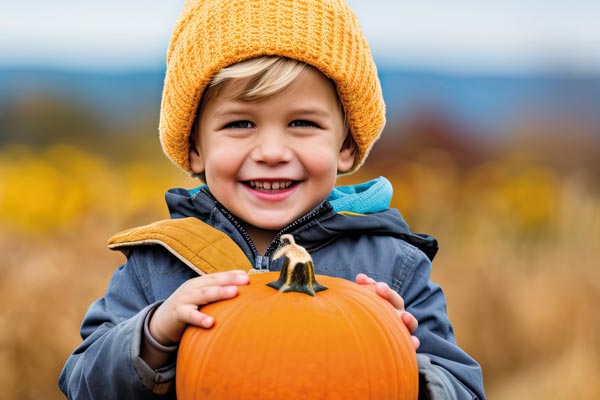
(270, 186)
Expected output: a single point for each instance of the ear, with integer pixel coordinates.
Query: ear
(346, 155)
(196, 159)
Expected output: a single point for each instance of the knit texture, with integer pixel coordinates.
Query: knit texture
(365, 198)
(213, 34)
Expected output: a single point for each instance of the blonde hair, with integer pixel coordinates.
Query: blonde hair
(259, 78)
(255, 80)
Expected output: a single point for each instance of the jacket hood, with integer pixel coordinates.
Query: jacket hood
(354, 209)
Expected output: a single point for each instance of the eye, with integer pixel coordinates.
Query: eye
(302, 123)
(239, 125)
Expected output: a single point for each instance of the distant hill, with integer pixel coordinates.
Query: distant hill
(483, 100)
(113, 95)
(488, 100)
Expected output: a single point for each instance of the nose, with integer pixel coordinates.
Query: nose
(272, 148)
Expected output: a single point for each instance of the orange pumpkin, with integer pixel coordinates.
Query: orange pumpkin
(342, 343)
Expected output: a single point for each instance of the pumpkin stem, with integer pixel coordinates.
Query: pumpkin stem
(297, 272)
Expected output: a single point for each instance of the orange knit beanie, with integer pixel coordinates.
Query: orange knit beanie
(213, 34)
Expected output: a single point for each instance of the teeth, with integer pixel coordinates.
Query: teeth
(266, 185)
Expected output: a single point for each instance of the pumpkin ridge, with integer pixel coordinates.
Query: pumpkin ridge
(388, 347)
(355, 312)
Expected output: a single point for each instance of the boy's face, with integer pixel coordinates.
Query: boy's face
(272, 161)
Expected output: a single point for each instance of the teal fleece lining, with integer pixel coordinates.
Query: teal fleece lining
(364, 198)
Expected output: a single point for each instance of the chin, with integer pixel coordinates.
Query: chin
(269, 222)
(274, 226)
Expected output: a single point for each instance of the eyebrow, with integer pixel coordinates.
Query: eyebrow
(318, 112)
(226, 114)
(229, 112)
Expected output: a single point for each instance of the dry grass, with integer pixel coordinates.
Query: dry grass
(518, 258)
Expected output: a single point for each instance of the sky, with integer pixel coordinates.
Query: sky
(507, 35)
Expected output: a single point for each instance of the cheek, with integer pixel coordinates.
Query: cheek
(322, 170)
(218, 168)
(321, 158)
(220, 160)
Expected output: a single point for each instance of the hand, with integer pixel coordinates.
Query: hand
(383, 290)
(182, 307)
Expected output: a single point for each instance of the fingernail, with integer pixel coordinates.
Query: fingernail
(208, 322)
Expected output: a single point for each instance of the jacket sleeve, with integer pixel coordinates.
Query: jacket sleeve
(445, 370)
(107, 364)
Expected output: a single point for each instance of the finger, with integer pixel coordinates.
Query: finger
(416, 342)
(170, 318)
(383, 290)
(198, 318)
(227, 278)
(218, 279)
(206, 295)
(363, 279)
(188, 312)
(409, 321)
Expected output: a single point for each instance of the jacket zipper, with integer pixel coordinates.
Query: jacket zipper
(321, 209)
(262, 262)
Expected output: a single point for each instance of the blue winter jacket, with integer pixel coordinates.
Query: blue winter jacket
(352, 232)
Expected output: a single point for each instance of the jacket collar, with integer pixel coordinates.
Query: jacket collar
(354, 209)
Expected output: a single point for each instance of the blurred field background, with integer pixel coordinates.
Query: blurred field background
(502, 167)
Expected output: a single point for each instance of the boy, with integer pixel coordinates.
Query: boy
(267, 102)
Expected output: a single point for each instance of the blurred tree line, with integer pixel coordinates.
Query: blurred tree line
(516, 211)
